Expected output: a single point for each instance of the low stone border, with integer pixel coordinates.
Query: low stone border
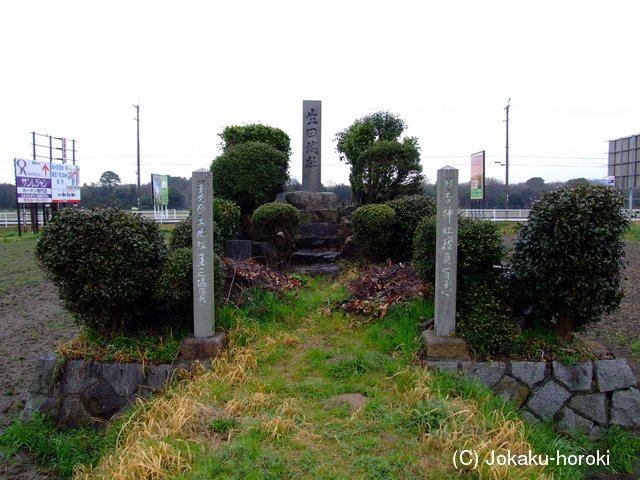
(76, 392)
(588, 396)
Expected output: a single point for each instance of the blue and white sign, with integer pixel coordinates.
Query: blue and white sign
(33, 181)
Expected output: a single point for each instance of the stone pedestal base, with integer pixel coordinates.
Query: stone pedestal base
(444, 348)
(192, 348)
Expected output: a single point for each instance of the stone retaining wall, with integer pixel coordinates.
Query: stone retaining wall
(588, 396)
(77, 392)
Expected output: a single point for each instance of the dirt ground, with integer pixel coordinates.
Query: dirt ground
(33, 323)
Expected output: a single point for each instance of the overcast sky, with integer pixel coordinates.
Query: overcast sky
(448, 68)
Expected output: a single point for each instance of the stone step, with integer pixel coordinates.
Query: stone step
(319, 229)
(329, 269)
(311, 257)
(312, 242)
(315, 216)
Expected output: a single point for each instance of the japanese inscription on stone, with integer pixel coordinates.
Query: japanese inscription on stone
(446, 251)
(202, 236)
(311, 148)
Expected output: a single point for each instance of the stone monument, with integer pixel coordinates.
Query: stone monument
(446, 251)
(441, 345)
(203, 343)
(311, 145)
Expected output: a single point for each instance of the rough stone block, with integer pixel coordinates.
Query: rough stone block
(575, 377)
(445, 366)
(309, 258)
(328, 269)
(159, 377)
(78, 376)
(124, 378)
(614, 375)
(529, 373)
(488, 374)
(328, 216)
(591, 405)
(319, 229)
(512, 391)
(313, 200)
(102, 401)
(193, 348)
(45, 375)
(547, 400)
(571, 422)
(444, 347)
(625, 408)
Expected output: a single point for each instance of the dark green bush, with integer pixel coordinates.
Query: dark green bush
(226, 218)
(180, 236)
(410, 210)
(235, 135)
(174, 287)
(250, 174)
(480, 248)
(226, 214)
(372, 228)
(104, 262)
(569, 257)
(482, 304)
(277, 223)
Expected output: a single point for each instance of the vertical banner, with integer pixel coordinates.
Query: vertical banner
(160, 185)
(311, 145)
(477, 176)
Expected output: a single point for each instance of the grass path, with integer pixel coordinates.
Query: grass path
(273, 406)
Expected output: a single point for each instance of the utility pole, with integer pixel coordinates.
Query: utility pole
(137, 119)
(507, 155)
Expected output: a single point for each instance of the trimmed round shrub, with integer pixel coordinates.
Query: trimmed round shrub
(372, 228)
(226, 223)
(569, 257)
(250, 174)
(174, 287)
(104, 262)
(410, 210)
(277, 223)
(180, 236)
(482, 302)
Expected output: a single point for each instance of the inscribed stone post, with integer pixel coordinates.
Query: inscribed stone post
(446, 251)
(202, 236)
(311, 145)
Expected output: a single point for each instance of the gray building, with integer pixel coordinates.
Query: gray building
(624, 155)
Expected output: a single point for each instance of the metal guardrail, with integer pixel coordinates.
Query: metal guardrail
(497, 214)
(10, 219)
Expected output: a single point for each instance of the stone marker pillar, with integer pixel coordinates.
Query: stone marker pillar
(203, 343)
(446, 251)
(202, 238)
(311, 145)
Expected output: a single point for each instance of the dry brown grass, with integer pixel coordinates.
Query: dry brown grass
(151, 442)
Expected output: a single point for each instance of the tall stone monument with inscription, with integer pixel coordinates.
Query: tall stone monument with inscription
(439, 344)
(203, 343)
(311, 145)
(446, 251)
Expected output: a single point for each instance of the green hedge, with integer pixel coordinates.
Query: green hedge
(372, 228)
(410, 210)
(104, 262)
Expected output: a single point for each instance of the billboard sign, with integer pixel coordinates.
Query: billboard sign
(33, 181)
(160, 185)
(65, 182)
(477, 176)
